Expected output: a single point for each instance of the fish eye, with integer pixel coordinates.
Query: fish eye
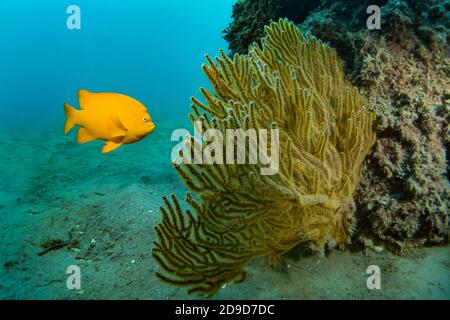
(145, 119)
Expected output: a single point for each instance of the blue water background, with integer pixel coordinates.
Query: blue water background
(151, 50)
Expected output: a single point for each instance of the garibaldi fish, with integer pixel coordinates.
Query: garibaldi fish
(115, 118)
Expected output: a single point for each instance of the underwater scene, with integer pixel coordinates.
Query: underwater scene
(224, 150)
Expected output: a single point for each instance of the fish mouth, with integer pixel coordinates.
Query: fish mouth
(142, 135)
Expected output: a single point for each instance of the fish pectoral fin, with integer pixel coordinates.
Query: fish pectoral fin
(115, 132)
(118, 123)
(84, 136)
(110, 146)
(117, 135)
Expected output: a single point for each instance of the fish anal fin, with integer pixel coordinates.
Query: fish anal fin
(110, 146)
(84, 136)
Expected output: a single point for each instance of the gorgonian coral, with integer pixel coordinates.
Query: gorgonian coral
(294, 84)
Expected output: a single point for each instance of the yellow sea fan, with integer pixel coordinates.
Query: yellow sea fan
(295, 84)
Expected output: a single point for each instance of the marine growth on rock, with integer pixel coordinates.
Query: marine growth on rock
(403, 70)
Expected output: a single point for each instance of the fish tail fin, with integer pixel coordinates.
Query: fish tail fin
(71, 114)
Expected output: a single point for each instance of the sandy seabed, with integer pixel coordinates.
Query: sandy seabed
(66, 204)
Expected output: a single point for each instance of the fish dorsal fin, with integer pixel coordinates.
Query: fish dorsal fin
(110, 146)
(84, 97)
(84, 136)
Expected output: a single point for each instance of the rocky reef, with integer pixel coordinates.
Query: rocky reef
(250, 17)
(403, 71)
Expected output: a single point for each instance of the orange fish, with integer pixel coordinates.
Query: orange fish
(115, 118)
